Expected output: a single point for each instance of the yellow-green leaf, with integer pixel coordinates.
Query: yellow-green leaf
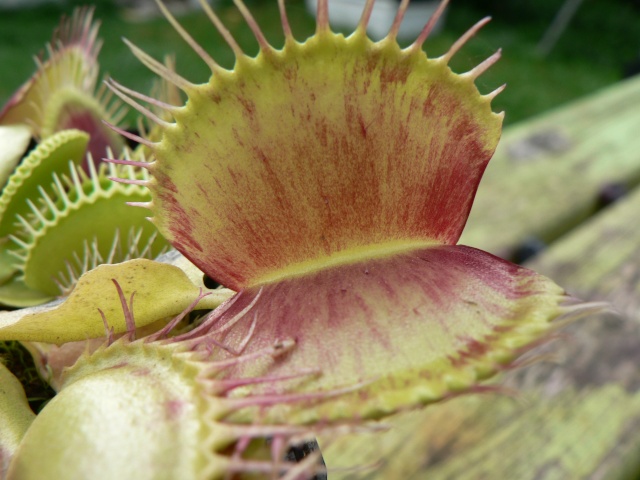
(159, 290)
(15, 416)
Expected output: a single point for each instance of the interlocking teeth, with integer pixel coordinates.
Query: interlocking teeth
(84, 218)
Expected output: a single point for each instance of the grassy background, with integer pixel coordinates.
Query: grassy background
(601, 39)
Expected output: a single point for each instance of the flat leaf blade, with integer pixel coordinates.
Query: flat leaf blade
(160, 291)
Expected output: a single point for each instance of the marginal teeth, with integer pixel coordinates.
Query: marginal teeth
(130, 136)
(143, 110)
(485, 65)
(222, 30)
(160, 69)
(265, 46)
(66, 79)
(86, 221)
(137, 243)
(188, 38)
(458, 44)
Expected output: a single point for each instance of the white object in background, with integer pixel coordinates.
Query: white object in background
(347, 13)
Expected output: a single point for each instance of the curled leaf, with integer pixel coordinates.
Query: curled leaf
(160, 291)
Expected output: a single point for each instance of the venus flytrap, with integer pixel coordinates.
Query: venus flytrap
(34, 172)
(62, 94)
(326, 183)
(49, 206)
(350, 228)
(48, 212)
(69, 226)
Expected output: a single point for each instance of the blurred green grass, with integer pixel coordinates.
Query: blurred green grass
(534, 84)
